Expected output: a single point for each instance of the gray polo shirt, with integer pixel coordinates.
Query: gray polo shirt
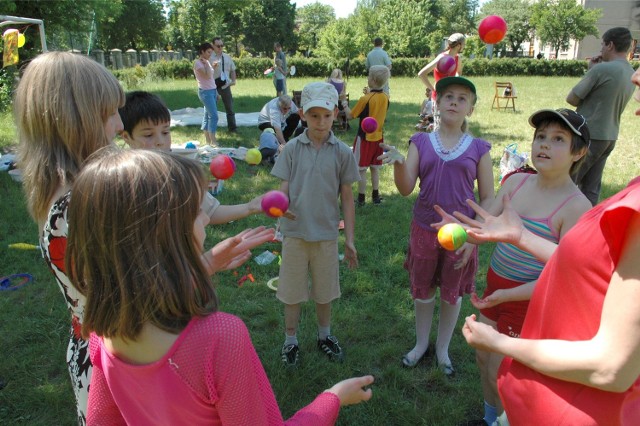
(315, 177)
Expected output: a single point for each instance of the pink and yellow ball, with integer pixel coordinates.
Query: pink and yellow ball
(492, 29)
(222, 167)
(452, 236)
(275, 203)
(369, 125)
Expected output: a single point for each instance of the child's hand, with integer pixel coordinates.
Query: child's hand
(234, 251)
(350, 255)
(479, 335)
(487, 302)
(391, 155)
(446, 218)
(466, 250)
(507, 227)
(350, 391)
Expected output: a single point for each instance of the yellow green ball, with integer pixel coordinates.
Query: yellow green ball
(452, 236)
(254, 156)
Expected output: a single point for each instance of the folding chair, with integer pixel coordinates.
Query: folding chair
(341, 123)
(504, 90)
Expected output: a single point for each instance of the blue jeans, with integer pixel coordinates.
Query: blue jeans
(209, 98)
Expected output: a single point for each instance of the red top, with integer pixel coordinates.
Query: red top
(210, 376)
(567, 304)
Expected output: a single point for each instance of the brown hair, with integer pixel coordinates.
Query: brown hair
(60, 106)
(131, 248)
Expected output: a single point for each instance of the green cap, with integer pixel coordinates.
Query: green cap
(445, 82)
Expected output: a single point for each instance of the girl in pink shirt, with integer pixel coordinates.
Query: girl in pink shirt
(162, 352)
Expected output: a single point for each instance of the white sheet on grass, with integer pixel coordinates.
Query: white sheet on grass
(193, 117)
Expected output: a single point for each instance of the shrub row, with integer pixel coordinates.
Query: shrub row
(316, 67)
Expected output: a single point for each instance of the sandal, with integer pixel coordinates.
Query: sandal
(446, 368)
(411, 363)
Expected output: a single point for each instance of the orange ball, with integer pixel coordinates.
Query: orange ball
(452, 236)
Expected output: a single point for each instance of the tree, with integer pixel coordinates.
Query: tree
(337, 39)
(266, 22)
(517, 14)
(139, 25)
(68, 23)
(557, 22)
(311, 21)
(406, 26)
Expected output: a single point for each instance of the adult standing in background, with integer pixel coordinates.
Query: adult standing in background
(600, 97)
(203, 70)
(455, 45)
(225, 77)
(277, 47)
(377, 56)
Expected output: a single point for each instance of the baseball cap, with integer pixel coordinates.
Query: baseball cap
(319, 94)
(445, 82)
(576, 122)
(456, 37)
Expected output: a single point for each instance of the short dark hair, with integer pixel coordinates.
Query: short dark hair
(620, 37)
(217, 38)
(377, 41)
(141, 106)
(203, 47)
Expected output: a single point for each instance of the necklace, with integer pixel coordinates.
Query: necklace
(453, 153)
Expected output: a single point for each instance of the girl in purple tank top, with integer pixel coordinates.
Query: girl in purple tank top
(448, 163)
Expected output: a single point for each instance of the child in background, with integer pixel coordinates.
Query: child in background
(315, 169)
(280, 73)
(172, 344)
(548, 203)
(366, 146)
(447, 162)
(147, 121)
(269, 146)
(426, 113)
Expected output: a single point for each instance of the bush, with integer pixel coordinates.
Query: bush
(132, 78)
(7, 82)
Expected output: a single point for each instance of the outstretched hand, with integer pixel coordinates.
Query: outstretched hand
(446, 218)
(391, 155)
(486, 302)
(351, 391)
(507, 227)
(234, 251)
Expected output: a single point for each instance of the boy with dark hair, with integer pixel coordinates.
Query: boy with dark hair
(146, 120)
(315, 168)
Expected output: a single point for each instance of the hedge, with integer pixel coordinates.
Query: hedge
(317, 67)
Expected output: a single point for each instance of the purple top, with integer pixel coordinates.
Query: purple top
(447, 177)
(339, 86)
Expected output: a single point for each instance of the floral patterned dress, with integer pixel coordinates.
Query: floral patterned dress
(54, 244)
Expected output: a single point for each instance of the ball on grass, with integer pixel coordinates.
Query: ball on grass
(492, 29)
(275, 203)
(452, 236)
(253, 156)
(222, 167)
(369, 125)
(190, 145)
(447, 65)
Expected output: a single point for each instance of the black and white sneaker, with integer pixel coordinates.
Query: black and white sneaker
(331, 348)
(290, 356)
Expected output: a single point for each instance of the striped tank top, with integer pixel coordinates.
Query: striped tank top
(510, 262)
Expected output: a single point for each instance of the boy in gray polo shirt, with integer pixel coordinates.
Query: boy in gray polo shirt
(315, 168)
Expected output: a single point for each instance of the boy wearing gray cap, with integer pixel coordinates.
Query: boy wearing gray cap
(315, 167)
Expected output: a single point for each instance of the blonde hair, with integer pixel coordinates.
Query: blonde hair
(131, 247)
(336, 74)
(378, 75)
(60, 106)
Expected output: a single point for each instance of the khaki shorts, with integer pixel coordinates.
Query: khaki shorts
(299, 258)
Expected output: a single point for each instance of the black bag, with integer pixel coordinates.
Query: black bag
(220, 82)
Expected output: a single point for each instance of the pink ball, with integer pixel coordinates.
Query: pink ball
(369, 125)
(222, 167)
(492, 29)
(447, 65)
(275, 203)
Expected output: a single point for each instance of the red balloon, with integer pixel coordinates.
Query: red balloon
(447, 65)
(222, 167)
(492, 29)
(369, 125)
(275, 203)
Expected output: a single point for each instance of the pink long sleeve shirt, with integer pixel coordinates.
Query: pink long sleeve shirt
(210, 376)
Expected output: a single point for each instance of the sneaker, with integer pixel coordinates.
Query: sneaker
(377, 201)
(331, 348)
(290, 356)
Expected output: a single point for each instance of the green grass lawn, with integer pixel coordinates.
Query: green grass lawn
(374, 317)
